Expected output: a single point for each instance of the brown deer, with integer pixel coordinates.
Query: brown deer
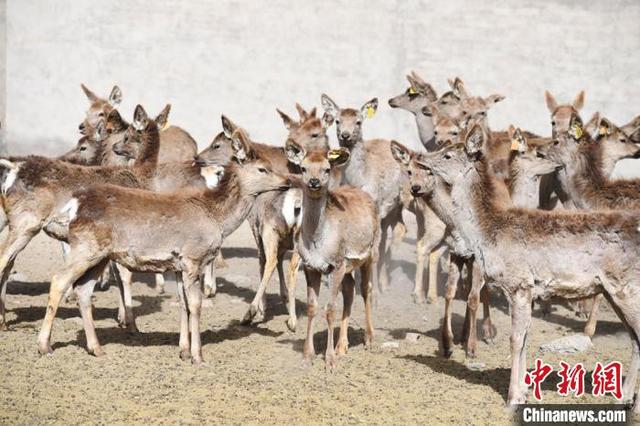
(34, 189)
(532, 254)
(276, 216)
(175, 143)
(339, 232)
(371, 168)
(148, 231)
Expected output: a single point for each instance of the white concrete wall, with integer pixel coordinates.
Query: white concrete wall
(246, 58)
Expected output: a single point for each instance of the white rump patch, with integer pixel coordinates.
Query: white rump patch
(212, 175)
(71, 208)
(292, 207)
(11, 175)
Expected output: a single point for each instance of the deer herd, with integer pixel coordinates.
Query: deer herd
(537, 217)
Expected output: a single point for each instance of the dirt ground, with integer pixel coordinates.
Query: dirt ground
(255, 374)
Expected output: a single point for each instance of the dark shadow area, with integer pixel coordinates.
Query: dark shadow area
(356, 338)
(106, 336)
(242, 252)
(27, 288)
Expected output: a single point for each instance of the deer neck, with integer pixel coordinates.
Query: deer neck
(151, 141)
(425, 131)
(354, 171)
(229, 203)
(313, 218)
(524, 189)
(585, 174)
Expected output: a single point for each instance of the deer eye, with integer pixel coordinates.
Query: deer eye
(435, 133)
(263, 170)
(623, 140)
(454, 133)
(337, 121)
(315, 135)
(216, 146)
(101, 114)
(304, 169)
(556, 143)
(553, 123)
(447, 156)
(358, 122)
(83, 148)
(409, 172)
(326, 171)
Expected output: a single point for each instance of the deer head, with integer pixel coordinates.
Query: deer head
(316, 166)
(89, 148)
(349, 120)
(421, 179)
(526, 160)
(134, 142)
(416, 97)
(561, 115)
(99, 108)
(220, 150)
(310, 132)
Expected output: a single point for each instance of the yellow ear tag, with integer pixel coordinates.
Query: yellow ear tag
(333, 154)
(603, 130)
(576, 131)
(515, 145)
(412, 91)
(165, 127)
(370, 112)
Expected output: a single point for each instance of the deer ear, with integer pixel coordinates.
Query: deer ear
(162, 120)
(632, 127)
(493, 99)
(240, 145)
(605, 127)
(90, 95)
(511, 131)
(400, 153)
(422, 87)
(457, 85)
(295, 153)
(550, 101)
(576, 130)
(519, 142)
(368, 110)
(327, 120)
(474, 140)
(329, 106)
(578, 102)
(100, 132)
(338, 157)
(301, 112)
(114, 122)
(115, 97)
(288, 122)
(140, 118)
(228, 126)
(592, 125)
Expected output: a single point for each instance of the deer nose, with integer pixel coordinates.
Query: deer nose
(392, 103)
(81, 127)
(314, 183)
(344, 135)
(415, 189)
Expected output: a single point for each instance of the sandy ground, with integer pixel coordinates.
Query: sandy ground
(255, 374)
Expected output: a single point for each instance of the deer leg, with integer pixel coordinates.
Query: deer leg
(160, 283)
(419, 287)
(73, 270)
(193, 291)
(84, 289)
(335, 282)
(383, 278)
(399, 231)
(348, 286)
(16, 241)
(313, 289)
(124, 278)
(472, 309)
(520, 303)
(292, 274)
(489, 330)
(455, 269)
(590, 326)
(434, 256)
(210, 286)
(366, 288)
(282, 279)
(259, 303)
(219, 261)
(184, 345)
(69, 295)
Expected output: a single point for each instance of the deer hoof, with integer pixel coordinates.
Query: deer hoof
(330, 363)
(250, 315)
(418, 299)
(448, 352)
(291, 324)
(45, 349)
(97, 352)
(185, 355)
(432, 300)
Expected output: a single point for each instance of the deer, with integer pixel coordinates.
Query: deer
(175, 143)
(531, 254)
(586, 162)
(35, 188)
(276, 216)
(149, 231)
(370, 167)
(339, 233)
(525, 167)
